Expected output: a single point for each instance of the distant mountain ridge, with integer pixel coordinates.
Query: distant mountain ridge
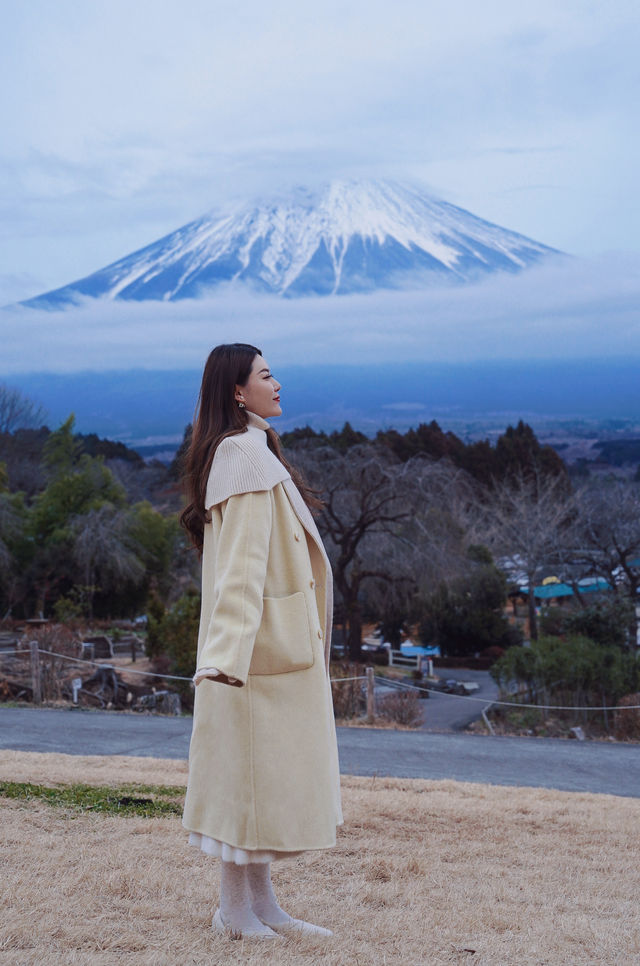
(155, 406)
(348, 236)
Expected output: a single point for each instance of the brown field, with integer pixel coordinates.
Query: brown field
(424, 873)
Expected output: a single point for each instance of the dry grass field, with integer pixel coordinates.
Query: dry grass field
(424, 873)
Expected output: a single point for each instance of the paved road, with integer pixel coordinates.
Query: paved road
(449, 712)
(538, 762)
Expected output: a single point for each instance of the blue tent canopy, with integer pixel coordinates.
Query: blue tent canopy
(415, 650)
(550, 591)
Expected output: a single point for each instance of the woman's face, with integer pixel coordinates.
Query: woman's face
(261, 394)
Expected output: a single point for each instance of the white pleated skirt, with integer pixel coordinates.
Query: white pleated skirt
(229, 853)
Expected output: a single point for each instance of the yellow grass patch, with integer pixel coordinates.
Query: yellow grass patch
(27, 766)
(424, 873)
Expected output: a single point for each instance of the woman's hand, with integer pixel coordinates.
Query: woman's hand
(213, 674)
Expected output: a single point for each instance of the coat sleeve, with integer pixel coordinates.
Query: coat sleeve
(240, 570)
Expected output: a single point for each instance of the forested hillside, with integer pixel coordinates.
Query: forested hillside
(426, 533)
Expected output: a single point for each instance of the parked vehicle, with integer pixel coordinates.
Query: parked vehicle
(376, 652)
(450, 686)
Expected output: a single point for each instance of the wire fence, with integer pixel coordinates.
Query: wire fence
(392, 683)
(509, 704)
(129, 670)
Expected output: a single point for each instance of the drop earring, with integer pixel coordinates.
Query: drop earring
(241, 405)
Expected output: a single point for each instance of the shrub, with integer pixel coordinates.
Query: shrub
(552, 622)
(573, 671)
(403, 708)
(606, 622)
(172, 640)
(348, 698)
(466, 616)
(155, 616)
(54, 671)
(54, 637)
(626, 724)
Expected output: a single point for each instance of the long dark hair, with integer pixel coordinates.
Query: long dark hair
(218, 416)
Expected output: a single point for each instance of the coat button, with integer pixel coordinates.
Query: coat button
(312, 584)
(296, 536)
(320, 634)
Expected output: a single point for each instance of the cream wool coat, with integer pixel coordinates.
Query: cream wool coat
(263, 761)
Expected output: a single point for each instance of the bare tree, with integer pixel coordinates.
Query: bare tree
(388, 526)
(527, 519)
(18, 411)
(431, 548)
(606, 538)
(446, 521)
(365, 499)
(102, 549)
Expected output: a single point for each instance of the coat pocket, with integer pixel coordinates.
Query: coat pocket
(283, 642)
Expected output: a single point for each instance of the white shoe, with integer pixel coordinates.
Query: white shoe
(218, 925)
(300, 927)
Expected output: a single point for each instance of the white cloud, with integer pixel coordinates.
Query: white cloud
(573, 310)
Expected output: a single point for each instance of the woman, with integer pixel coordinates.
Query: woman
(263, 764)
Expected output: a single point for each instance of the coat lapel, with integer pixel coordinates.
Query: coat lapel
(303, 514)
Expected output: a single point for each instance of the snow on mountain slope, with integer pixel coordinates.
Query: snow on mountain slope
(349, 236)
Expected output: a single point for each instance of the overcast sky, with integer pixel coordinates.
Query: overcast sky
(122, 120)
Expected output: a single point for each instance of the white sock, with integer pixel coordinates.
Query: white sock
(263, 900)
(235, 902)
(266, 907)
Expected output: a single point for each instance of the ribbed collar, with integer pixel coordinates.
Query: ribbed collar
(257, 422)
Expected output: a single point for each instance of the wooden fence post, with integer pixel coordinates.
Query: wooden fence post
(371, 697)
(36, 684)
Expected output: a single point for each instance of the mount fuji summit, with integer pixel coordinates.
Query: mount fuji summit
(348, 236)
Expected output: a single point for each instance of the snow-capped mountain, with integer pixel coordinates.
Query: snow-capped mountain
(349, 236)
